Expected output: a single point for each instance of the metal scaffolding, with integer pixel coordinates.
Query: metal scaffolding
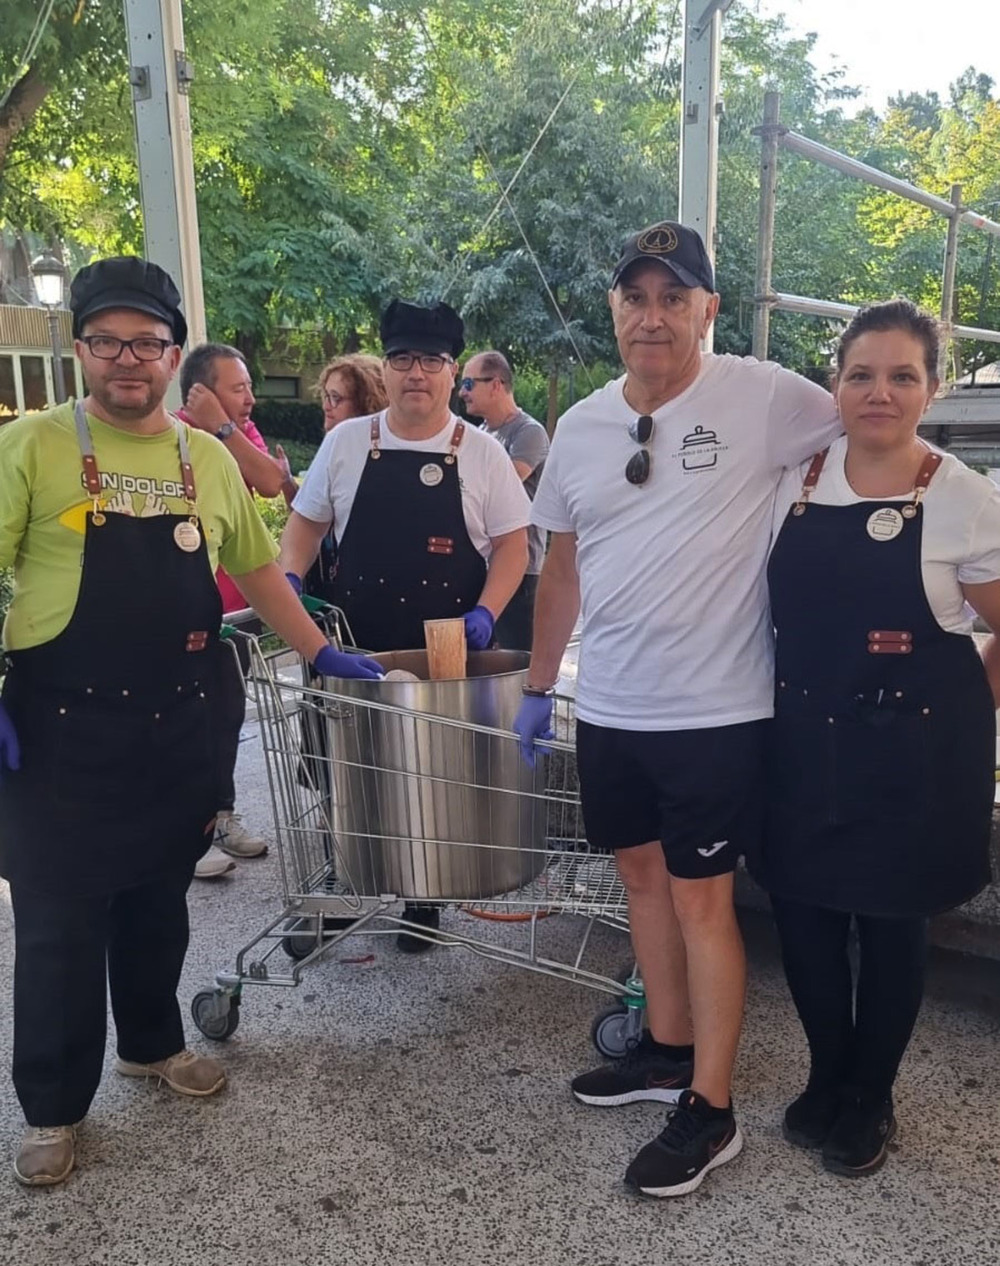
(774, 136)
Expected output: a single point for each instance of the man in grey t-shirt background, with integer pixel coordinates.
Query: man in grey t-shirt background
(487, 390)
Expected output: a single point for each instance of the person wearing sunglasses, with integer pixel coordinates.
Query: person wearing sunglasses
(429, 514)
(115, 516)
(487, 391)
(658, 493)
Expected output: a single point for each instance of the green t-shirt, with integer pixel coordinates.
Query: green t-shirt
(44, 503)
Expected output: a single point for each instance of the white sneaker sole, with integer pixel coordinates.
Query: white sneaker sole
(235, 851)
(728, 1153)
(664, 1095)
(216, 872)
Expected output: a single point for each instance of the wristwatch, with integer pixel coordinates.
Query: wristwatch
(538, 692)
(225, 430)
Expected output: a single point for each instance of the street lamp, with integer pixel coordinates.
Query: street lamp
(50, 278)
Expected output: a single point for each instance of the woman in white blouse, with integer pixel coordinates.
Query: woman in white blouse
(881, 783)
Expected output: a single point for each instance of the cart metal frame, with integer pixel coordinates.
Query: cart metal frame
(321, 905)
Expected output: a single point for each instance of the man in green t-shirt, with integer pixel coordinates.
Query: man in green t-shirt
(114, 516)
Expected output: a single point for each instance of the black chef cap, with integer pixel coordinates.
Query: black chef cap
(408, 327)
(126, 281)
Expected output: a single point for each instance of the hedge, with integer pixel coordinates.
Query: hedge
(289, 419)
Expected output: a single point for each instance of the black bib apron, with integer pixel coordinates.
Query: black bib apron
(118, 779)
(881, 775)
(406, 555)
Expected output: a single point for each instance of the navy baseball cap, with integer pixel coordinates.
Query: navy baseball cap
(675, 247)
(126, 281)
(408, 327)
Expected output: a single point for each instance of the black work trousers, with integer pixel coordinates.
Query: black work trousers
(229, 713)
(67, 951)
(516, 623)
(857, 1034)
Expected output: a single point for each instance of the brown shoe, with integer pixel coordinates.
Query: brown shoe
(185, 1072)
(46, 1156)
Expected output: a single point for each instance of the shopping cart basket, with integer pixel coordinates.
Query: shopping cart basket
(378, 801)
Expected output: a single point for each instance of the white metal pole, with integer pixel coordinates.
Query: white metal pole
(948, 282)
(699, 148)
(763, 295)
(160, 75)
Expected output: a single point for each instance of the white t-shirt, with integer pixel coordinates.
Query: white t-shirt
(960, 542)
(493, 500)
(676, 627)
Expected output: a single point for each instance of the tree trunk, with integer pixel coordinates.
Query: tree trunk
(553, 410)
(26, 96)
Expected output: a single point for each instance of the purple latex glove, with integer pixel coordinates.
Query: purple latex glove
(479, 628)
(533, 721)
(10, 750)
(294, 581)
(333, 663)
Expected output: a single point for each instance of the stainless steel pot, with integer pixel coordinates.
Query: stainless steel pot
(427, 810)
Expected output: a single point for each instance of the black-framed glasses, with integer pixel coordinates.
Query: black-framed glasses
(104, 347)
(639, 464)
(429, 362)
(467, 384)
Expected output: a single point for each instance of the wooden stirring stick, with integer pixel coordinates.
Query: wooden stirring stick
(445, 648)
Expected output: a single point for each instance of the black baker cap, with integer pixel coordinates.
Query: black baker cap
(408, 327)
(126, 281)
(676, 247)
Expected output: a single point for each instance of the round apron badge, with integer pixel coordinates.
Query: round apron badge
(431, 475)
(187, 537)
(885, 524)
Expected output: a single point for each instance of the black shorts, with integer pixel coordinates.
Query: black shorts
(700, 792)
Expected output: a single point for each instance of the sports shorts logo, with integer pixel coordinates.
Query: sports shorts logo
(713, 848)
(661, 239)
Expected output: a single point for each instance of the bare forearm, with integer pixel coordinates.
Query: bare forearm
(271, 596)
(300, 542)
(508, 563)
(261, 471)
(991, 662)
(557, 606)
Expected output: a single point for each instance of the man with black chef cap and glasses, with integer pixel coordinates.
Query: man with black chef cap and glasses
(115, 516)
(429, 514)
(658, 494)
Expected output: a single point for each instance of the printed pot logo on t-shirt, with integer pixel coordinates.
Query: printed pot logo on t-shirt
(699, 450)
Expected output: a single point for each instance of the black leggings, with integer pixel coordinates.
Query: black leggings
(856, 1038)
(230, 713)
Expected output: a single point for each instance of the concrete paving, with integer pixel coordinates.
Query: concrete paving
(415, 1111)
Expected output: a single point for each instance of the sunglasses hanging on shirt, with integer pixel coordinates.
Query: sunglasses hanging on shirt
(639, 464)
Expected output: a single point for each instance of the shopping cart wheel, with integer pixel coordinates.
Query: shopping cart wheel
(611, 1031)
(300, 938)
(215, 1013)
(300, 934)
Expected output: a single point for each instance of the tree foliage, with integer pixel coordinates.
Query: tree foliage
(345, 152)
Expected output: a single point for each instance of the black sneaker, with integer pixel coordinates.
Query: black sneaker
(810, 1118)
(696, 1140)
(423, 916)
(642, 1073)
(859, 1142)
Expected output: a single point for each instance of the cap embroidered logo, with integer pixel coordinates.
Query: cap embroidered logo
(661, 239)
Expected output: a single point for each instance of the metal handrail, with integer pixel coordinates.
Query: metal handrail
(774, 136)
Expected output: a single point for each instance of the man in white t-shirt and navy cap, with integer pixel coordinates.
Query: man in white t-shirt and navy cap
(429, 513)
(658, 495)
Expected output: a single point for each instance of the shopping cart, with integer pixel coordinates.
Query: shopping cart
(379, 802)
